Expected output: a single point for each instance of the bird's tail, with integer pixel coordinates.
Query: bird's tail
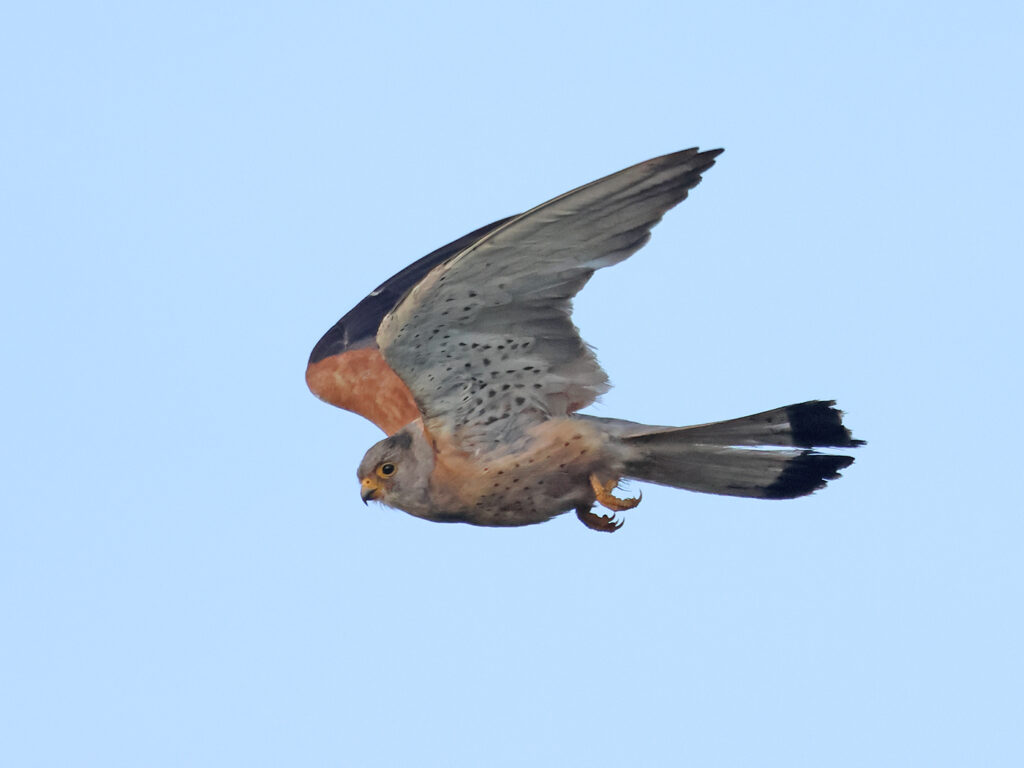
(768, 455)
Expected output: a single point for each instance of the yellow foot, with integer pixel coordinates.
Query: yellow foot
(603, 494)
(606, 523)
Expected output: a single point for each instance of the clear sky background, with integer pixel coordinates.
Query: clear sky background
(192, 193)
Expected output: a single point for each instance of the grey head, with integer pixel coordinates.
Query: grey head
(396, 471)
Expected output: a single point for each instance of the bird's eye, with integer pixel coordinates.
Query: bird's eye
(386, 470)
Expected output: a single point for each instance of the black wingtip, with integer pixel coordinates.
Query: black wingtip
(701, 160)
(359, 326)
(817, 424)
(806, 474)
(707, 159)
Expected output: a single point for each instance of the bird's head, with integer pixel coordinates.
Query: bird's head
(396, 471)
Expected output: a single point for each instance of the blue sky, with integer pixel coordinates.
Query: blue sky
(192, 193)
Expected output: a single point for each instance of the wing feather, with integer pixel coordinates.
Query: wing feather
(485, 341)
(346, 368)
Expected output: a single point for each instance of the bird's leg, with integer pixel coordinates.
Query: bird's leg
(606, 523)
(604, 496)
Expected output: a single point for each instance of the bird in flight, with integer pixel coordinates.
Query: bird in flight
(469, 361)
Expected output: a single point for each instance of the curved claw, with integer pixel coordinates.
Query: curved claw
(594, 522)
(604, 496)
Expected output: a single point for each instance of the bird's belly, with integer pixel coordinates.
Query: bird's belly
(516, 501)
(514, 496)
(545, 477)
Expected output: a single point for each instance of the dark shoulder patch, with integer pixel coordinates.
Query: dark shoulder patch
(358, 328)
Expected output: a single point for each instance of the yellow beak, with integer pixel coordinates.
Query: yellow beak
(368, 488)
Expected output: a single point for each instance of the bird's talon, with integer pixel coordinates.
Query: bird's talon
(606, 523)
(604, 496)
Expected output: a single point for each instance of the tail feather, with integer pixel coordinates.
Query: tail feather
(751, 456)
(814, 424)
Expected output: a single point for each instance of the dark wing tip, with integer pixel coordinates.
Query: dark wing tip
(358, 328)
(817, 424)
(708, 155)
(806, 474)
(695, 161)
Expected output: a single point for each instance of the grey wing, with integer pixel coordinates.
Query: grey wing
(486, 342)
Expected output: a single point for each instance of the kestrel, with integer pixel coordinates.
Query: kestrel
(469, 361)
